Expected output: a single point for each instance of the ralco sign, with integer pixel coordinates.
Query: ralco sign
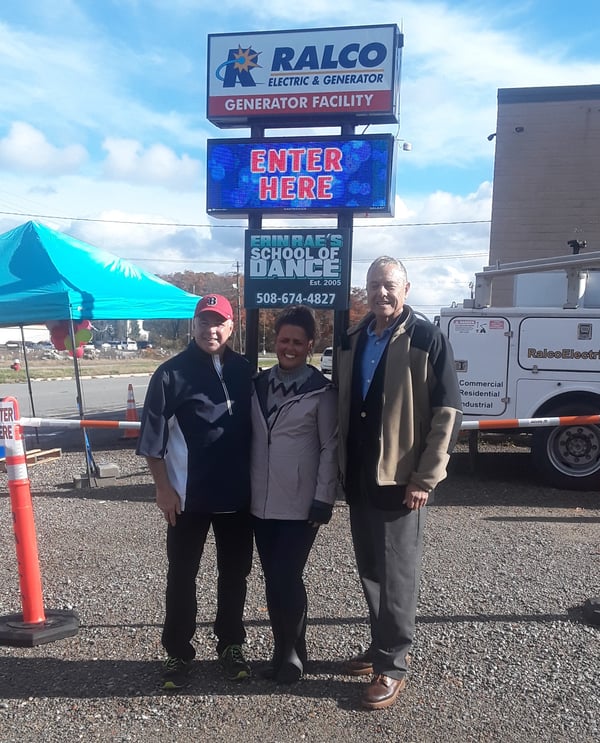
(349, 73)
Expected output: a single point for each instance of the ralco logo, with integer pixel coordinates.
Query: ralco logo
(237, 69)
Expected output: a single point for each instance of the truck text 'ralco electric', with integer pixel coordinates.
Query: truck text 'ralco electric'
(534, 360)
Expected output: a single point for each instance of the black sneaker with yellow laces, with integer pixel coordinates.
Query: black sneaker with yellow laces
(234, 664)
(175, 673)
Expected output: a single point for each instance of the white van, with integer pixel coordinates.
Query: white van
(327, 360)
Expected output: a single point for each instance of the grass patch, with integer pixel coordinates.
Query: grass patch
(39, 369)
(42, 369)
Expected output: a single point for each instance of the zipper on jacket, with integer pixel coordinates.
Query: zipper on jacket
(219, 369)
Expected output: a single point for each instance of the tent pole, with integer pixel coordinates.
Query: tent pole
(37, 435)
(89, 459)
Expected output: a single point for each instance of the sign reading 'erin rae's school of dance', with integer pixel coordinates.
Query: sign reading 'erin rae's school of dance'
(326, 75)
(286, 267)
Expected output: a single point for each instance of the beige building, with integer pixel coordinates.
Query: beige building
(546, 176)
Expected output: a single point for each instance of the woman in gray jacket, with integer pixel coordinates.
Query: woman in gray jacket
(293, 476)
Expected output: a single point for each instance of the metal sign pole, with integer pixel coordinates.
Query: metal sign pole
(252, 314)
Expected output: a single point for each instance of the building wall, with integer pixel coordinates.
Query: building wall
(32, 333)
(546, 176)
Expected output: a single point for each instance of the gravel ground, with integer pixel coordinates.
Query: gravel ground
(502, 651)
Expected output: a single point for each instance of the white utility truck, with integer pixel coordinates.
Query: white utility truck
(539, 361)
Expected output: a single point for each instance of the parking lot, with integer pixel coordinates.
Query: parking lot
(502, 651)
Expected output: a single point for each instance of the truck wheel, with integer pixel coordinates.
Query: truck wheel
(568, 457)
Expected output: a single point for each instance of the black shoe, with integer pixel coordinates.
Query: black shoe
(291, 669)
(234, 664)
(269, 672)
(175, 673)
(289, 673)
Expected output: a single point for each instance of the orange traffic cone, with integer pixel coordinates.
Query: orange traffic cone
(131, 415)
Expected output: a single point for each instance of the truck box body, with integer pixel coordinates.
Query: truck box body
(508, 363)
(532, 362)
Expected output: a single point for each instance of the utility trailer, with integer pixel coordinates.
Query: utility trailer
(535, 362)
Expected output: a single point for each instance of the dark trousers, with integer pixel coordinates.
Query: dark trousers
(185, 544)
(388, 547)
(283, 547)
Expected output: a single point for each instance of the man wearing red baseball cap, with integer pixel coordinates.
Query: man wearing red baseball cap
(195, 435)
(215, 303)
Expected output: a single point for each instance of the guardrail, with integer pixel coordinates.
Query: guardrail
(487, 424)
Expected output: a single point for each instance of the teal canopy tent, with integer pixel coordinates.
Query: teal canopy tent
(46, 275)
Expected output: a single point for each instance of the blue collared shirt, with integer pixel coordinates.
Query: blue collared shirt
(373, 350)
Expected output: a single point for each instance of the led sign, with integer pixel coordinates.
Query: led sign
(303, 175)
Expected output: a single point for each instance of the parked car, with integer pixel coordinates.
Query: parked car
(127, 345)
(327, 360)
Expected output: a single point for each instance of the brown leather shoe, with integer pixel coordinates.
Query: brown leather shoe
(359, 665)
(382, 692)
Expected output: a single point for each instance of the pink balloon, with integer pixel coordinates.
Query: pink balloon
(58, 342)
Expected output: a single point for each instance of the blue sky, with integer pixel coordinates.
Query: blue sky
(103, 122)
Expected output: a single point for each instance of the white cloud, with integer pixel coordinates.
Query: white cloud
(128, 160)
(26, 149)
(81, 78)
(454, 62)
(136, 101)
(440, 258)
(163, 247)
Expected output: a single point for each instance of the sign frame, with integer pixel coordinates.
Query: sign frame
(319, 77)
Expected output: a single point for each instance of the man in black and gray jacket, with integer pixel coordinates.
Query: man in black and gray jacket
(195, 435)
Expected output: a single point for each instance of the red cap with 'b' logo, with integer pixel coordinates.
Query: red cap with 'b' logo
(215, 303)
